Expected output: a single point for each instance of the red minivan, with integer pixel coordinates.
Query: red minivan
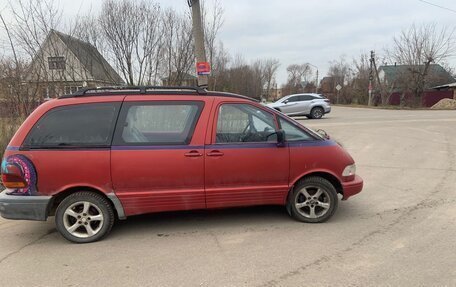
(108, 153)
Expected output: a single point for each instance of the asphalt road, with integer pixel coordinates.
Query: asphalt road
(400, 231)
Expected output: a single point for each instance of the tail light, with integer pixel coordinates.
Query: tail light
(328, 101)
(19, 175)
(13, 181)
(12, 177)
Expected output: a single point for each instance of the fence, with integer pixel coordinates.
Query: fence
(429, 99)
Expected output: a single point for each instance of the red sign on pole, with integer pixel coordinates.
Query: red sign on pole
(203, 68)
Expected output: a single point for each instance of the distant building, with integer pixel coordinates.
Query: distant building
(274, 94)
(447, 87)
(65, 64)
(397, 76)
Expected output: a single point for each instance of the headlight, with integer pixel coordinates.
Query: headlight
(349, 170)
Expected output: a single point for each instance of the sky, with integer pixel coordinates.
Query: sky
(307, 31)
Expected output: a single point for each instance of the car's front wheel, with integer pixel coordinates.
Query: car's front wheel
(84, 217)
(314, 200)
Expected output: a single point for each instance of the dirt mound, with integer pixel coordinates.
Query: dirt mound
(445, 104)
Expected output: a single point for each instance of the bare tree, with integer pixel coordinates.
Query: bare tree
(241, 77)
(341, 72)
(297, 74)
(361, 79)
(32, 20)
(418, 47)
(220, 62)
(259, 78)
(270, 70)
(87, 29)
(178, 56)
(212, 22)
(132, 31)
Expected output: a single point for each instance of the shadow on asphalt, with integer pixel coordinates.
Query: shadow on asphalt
(300, 118)
(257, 218)
(189, 222)
(181, 221)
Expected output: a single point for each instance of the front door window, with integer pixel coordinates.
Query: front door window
(239, 123)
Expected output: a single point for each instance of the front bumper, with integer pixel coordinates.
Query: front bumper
(352, 187)
(24, 207)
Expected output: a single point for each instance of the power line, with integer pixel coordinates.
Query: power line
(441, 7)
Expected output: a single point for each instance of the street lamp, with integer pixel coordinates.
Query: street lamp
(316, 81)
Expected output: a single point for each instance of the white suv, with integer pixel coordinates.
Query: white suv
(313, 106)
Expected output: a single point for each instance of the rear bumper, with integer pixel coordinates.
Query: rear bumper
(327, 110)
(352, 187)
(24, 207)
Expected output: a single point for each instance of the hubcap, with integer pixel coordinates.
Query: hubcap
(317, 113)
(312, 202)
(83, 219)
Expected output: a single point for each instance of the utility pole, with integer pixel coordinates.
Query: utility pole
(371, 77)
(198, 37)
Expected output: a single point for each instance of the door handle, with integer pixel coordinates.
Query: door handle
(193, 153)
(215, 153)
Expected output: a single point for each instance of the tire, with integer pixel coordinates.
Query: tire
(317, 113)
(308, 206)
(84, 217)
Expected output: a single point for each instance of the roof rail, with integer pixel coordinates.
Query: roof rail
(141, 89)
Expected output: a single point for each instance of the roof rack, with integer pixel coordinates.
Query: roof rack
(135, 90)
(130, 89)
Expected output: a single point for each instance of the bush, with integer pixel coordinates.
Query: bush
(8, 127)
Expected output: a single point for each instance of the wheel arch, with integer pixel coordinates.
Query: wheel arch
(111, 197)
(323, 174)
(317, 106)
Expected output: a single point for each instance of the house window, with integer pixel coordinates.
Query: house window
(56, 63)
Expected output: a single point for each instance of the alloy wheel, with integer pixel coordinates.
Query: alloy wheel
(312, 202)
(83, 219)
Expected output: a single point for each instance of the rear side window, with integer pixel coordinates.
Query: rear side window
(157, 123)
(85, 125)
(306, 98)
(293, 99)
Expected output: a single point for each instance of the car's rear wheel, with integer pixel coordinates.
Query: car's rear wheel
(314, 200)
(317, 113)
(84, 217)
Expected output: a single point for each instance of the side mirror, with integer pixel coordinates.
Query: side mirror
(323, 134)
(280, 138)
(285, 102)
(280, 134)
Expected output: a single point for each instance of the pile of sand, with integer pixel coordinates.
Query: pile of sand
(445, 104)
